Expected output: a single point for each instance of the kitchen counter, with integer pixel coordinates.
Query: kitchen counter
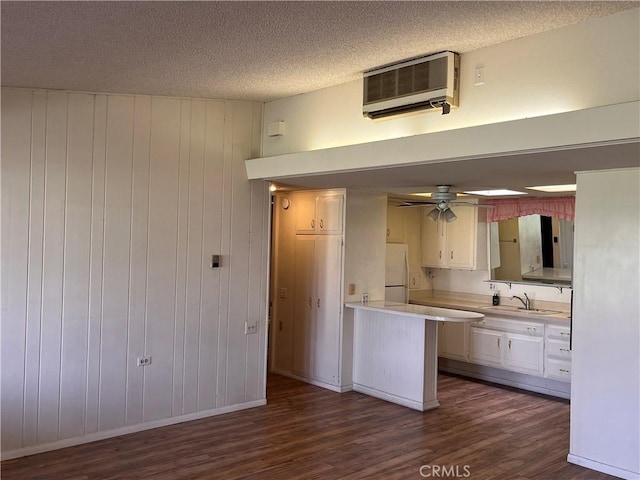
(395, 350)
(556, 312)
(419, 311)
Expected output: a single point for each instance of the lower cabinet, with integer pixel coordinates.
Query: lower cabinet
(485, 346)
(509, 344)
(533, 354)
(453, 340)
(557, 362)
(524, 354)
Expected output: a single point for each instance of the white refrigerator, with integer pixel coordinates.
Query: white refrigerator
(397, 273)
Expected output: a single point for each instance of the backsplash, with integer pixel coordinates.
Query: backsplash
(477, 282)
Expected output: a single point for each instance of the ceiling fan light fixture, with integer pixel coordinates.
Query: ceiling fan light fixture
(434, 214)
(449, 216)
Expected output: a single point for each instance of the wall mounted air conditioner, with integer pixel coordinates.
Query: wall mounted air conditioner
(420, 84)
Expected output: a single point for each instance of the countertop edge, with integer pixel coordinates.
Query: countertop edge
(400, 309)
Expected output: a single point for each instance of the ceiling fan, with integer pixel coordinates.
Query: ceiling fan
(443, 199)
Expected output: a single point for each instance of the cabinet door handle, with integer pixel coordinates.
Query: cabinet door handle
(310, 300)
(451, 254)
(565, 334)
(440, 254)
(318, 303)
(321, 223)
(531, 329)
(565, 371)
(313, 223)
(498, 341)
(565, 350)
(388, 233)
(509, 344)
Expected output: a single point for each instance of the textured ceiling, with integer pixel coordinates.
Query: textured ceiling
(251, 50)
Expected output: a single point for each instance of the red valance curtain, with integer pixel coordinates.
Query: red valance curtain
(562, 207)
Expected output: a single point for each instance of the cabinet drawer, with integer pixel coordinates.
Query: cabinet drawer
(559, 332)
(558, 348)
(512, 326)
(558, 370)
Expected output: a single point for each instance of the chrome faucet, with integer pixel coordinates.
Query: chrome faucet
(526, 302)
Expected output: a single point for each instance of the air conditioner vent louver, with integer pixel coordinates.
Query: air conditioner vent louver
(429, 82)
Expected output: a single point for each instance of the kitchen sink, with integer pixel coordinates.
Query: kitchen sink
(512, 308)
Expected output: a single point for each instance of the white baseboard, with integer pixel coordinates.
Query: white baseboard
(603, 467)
(317, 383)
(93, 437)
(389, 397)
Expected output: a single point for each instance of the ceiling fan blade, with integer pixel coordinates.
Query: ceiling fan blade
(477, 205)
(415, 204)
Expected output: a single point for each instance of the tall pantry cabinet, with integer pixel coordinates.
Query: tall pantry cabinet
(310, 339)
(316, 293)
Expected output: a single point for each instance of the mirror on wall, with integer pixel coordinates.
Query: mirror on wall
(532, 249)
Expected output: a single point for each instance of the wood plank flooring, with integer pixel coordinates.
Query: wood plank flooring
(305, 432)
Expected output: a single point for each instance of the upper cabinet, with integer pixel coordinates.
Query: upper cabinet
(460, 244)
(395, 224)
(318, 213)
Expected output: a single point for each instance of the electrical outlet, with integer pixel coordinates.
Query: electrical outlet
(365, 298)
(282, 293)
(250, 328)
(143, 361)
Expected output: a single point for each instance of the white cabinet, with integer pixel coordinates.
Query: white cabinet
(462, 238)
(395, 224)
(557, 362)
(433, 242)
(453, 340)
(509, 344)
(317, 307)
(318, 213)
(303, 298)
(310, 337)
(523, 353)
(486, 346)
(459, 244)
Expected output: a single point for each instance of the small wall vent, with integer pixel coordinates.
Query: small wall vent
(424, 83)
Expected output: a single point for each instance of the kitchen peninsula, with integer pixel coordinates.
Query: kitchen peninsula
(395, 355)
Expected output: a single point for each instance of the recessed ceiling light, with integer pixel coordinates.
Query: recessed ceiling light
(554, 188)
(495, 193)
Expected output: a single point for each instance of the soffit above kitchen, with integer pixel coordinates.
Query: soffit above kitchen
(545, 150)
(257, 51)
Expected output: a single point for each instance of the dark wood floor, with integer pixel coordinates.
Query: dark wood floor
(306, 432)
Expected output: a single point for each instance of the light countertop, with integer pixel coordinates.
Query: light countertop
(548, 312)
(419, 311)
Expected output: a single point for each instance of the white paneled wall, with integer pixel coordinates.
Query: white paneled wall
(111, 209)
